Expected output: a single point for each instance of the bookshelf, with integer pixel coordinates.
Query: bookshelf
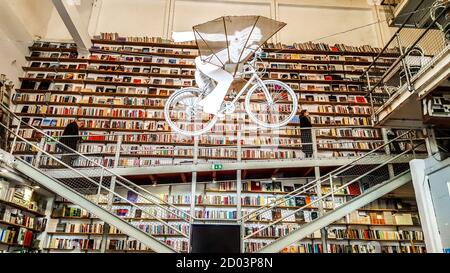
(22, 217)
(121, 87)
(392, 222)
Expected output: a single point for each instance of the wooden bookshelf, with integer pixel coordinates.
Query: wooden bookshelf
(22, 208)
(70, 249)
(19, 226)
(51, 49)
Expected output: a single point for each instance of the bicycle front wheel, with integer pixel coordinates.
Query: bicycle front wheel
(185, 116)
(274, 112)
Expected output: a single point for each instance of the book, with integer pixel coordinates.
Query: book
(276, 186)
(255, 186)
(300, 201)
(266, 186)
(276, 214)
(132, 196)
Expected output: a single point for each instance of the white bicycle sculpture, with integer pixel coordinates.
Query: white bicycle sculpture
(268, 103)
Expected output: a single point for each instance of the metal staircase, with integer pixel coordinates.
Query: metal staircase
(100, 190)
(99, 194)
(370, 181)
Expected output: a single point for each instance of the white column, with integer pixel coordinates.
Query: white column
(425, 206)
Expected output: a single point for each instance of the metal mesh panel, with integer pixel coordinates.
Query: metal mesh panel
(324, 194)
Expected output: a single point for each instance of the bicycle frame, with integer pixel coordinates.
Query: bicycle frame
(247, 85)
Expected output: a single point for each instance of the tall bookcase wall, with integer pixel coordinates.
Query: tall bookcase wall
(393, 223)
(23, 217)
(122, 87)
(75, 229)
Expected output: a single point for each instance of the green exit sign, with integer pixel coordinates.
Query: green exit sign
(217, 166)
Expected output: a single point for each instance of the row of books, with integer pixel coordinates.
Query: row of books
(338, 109)
(24, 98)
(79, 227)
(12, 236)
(215, 200)
(117, 69)
(48, 162)
(311, 67)
(70, 211)
(54, 55)
(7, 235)
(329, 47)
(145, 50)
(369, 234)
(116, 244)
(54, 45)
(300, 46)
(345, 132)
(123, 80)
(159, 229)
(136, 60)
(21, 195)
(353, 248)
(17, 217)
(311, 57)
(74, 244)
(346, 144)
(384, 218)
(293, 76)
(111, 36)
(391, 204)
(273, 231)
(336, 120)
(169, 150)
(332, 98)
(216, 214)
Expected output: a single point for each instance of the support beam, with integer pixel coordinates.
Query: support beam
(309, 171)
(75, 25)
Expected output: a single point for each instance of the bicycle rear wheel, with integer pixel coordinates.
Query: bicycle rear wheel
(276, 113)
(185, 116)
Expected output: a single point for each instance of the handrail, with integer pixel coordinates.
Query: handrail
(409, 49)
(313, 183)
(390, 40)
(100, 185)
(95, 164)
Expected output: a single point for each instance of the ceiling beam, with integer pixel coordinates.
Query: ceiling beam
(275, 171)
(75, 25)
(309, 171)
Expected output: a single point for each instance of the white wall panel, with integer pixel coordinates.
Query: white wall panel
(306, 23)
(132, 17)
(190, 13)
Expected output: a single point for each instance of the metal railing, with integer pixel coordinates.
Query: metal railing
(165, 148)
(418, 49)
(332, 189)
(104, 187)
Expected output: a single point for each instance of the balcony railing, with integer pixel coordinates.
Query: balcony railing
(418, 48)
